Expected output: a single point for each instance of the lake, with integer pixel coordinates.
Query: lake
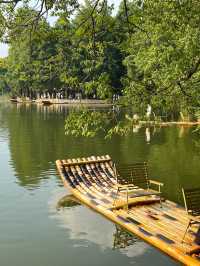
(35, 231)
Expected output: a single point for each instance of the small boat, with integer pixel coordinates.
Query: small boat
(47, 102)
(162, 223)
(14, 100)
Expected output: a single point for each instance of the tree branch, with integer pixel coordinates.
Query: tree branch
(88, 17)
(126, 14)
(193, 70)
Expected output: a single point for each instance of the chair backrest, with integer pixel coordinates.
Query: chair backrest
(192, 200)
(135, 173)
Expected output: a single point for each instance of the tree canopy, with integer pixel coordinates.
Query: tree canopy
(148, 51)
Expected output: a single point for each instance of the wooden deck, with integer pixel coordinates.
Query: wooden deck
(92, 181)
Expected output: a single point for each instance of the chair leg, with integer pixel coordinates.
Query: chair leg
(160, 202)
(127, 198)
(186, 231)
(116, 197)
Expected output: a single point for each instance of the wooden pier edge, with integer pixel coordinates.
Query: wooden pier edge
(166, 249)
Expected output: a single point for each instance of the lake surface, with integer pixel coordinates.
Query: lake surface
(34, 231)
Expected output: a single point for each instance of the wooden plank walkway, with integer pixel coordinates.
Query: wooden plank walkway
(92, 180)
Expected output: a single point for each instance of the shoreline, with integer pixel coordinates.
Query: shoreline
(169, 123)
(69, 102)
(98, 103)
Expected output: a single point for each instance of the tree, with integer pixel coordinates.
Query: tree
(3, 72)
(96, 57)
(148, 52)
(163, 61)
(33, 57)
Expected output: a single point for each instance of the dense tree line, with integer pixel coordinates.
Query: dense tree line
(149, 51)
(66, 58)
(4, 88)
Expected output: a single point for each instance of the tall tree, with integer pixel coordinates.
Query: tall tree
(163, 63)
(3, 72)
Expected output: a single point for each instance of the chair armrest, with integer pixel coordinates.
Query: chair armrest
(157, 183)
(126, 185)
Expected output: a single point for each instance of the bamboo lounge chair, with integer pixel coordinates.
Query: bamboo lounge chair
(192, 205)
(133, 180)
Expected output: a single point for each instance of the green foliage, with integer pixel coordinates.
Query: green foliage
(3, 73)
(32, 59)
(148, 53)
(85, 123)
(65, 56)
(163, 61)
(88, 123)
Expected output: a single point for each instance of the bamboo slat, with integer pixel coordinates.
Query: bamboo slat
(84, 161)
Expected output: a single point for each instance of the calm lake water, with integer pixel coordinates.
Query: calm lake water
(34, 231)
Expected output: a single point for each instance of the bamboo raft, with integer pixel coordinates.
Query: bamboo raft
(93, 181)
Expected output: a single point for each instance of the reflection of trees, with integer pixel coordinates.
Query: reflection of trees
(3, 112)
(37, 139)
(123, 239)
(175, 162)
(196, 141)
(134, 148)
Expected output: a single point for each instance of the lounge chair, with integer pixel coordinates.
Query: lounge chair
(192, 205)
(133, 180)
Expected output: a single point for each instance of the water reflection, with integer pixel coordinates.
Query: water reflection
(67, 201)
(37, 139)
(59, 231)
(123, 239)
(82, 224)
(136, 128)
(148, 135)
(86, 229)
(86, 226)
